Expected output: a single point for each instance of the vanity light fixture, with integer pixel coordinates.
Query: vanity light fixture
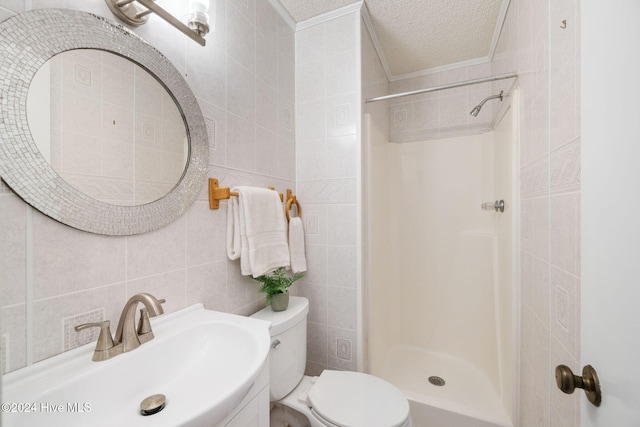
(136, 13)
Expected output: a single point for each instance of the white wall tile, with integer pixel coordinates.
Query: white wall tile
(311, 120)
(341, 303)
(241, 39)
(13, 262)
(266, 147)
(310, 44)
(82, 261)
(286, 77)
(342, 155)
(48, 315)
(565, 228)
(241, 143)
(317, 296)
(267, 21)
(317, 348)
(341, 35)
(341, 115)
(312, 159)
(533, 44)
(14, 329)
(343, 229)
(185, 260)
(266, 60)
(341, 73)
(207, 74)
(310, 81)
(170, 286)
(242, 83)
(207, 284)
(266, 100)
(316, 264)
(343, 266)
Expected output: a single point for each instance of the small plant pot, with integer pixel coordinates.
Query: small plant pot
(280, 302)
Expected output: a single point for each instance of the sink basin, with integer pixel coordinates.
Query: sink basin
(203, 361)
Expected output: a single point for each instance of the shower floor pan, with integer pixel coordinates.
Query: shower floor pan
(467, 398)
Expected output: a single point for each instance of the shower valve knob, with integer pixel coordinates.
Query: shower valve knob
(567, 382)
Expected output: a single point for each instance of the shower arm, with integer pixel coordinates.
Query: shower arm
(500, 95)
(477, 108)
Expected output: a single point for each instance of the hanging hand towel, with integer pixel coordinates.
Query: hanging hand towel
(237, 246)
(233, 229)
(266, 232)
(296, 246)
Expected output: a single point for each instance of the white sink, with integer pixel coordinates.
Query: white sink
(203, 361)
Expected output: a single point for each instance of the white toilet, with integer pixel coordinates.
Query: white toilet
(335, 398)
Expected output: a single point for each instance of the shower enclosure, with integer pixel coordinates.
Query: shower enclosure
(440, 300)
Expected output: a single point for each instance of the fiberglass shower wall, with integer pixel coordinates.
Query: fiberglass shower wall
(441, 267)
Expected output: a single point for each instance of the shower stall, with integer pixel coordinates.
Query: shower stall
(440, 314)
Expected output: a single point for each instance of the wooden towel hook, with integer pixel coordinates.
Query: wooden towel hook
(291, 200)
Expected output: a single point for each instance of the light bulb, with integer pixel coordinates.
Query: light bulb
(198, 6)
(198, 19)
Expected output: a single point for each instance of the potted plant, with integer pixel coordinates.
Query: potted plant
(275, 285)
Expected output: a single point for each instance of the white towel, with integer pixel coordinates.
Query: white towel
(233, 229)
(296, 246)
(237, 246)
(264, 240)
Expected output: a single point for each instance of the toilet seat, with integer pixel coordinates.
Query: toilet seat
(354, 399)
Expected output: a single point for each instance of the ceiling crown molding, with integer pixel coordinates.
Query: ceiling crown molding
(345, 10)
(284, 13)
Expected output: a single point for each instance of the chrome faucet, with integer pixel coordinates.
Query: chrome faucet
(127, 337)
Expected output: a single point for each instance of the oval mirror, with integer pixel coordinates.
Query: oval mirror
(106, 203)
(107, 127)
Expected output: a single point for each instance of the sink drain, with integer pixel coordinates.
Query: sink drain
(437, 381)
(153, 404)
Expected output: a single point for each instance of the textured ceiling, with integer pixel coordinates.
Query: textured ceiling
(417, 35)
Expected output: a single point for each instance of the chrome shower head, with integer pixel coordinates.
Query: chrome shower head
(477, 108)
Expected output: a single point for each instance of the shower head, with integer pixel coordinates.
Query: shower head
(478, 107)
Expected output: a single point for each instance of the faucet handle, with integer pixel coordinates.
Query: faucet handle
(144, 325)
(104, 345)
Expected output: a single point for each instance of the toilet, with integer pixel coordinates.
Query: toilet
(335, 398)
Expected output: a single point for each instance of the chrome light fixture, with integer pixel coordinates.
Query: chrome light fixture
(198, 18)
(136, 13)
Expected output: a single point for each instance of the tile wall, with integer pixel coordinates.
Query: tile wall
(441, 114)
(327, 156)
(53, 275)
(546, 55)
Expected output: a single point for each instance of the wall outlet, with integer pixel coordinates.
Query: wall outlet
(312, 224)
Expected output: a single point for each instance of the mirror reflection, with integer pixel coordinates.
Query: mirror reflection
(108, 127)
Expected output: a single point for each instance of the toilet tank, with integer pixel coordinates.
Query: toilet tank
(288, 354)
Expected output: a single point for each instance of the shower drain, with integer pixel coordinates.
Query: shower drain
(436, 381)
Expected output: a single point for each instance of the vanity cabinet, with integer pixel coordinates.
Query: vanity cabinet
(253, 411)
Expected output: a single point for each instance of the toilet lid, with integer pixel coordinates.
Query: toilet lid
(354, 399)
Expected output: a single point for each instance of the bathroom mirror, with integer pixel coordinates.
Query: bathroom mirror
(107, 127)
(30, 41)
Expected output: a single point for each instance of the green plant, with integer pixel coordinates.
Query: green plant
(276, 282)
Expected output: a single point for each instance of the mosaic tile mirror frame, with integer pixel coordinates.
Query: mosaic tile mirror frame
(29, 40)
